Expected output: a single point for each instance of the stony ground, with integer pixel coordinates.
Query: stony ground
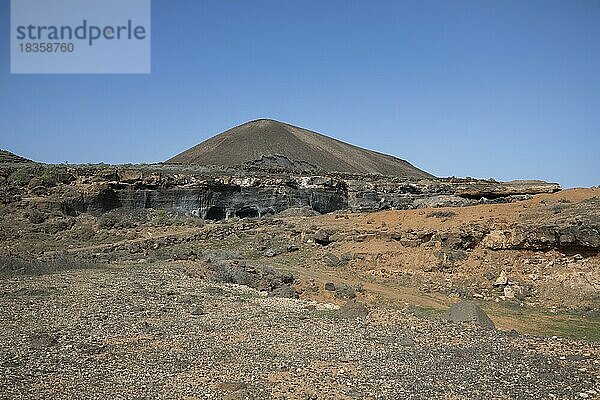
(164, 331)
(134, 304)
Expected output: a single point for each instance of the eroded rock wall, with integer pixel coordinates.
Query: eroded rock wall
(217, 195)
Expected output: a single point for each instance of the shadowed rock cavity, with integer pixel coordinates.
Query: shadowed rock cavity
(215, 213)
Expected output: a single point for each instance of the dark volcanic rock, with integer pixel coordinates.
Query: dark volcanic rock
(331, 260)
(261, 278)
(284, 291)
(215, 200)
(323, 237)
(467, 311)
(343, 291)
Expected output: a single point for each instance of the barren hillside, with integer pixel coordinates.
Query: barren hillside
(272, 143)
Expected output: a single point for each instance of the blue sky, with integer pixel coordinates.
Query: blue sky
(503, 89)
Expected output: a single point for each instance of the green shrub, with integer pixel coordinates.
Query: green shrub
(50, 176)
(21, 176)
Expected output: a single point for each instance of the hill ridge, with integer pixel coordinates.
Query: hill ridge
(9, 157)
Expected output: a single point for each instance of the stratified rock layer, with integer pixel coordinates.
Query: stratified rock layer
(218, 195)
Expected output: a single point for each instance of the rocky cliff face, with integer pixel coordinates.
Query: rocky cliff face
(217, 195)
(217, 199)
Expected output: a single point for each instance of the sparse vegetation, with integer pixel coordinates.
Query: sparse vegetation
(426, 312)
(577, 327)
(21, 176)
(327, 314)
(13, 265)
(49, 176)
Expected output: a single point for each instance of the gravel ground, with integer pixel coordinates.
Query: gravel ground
(165, 332)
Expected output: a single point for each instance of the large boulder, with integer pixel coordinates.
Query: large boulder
(467, 311)
(322, 237)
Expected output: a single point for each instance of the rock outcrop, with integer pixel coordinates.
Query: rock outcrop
(570, 229)
(216, 194)
(467, 311)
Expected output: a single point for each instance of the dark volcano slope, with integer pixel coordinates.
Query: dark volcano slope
(263, 140)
